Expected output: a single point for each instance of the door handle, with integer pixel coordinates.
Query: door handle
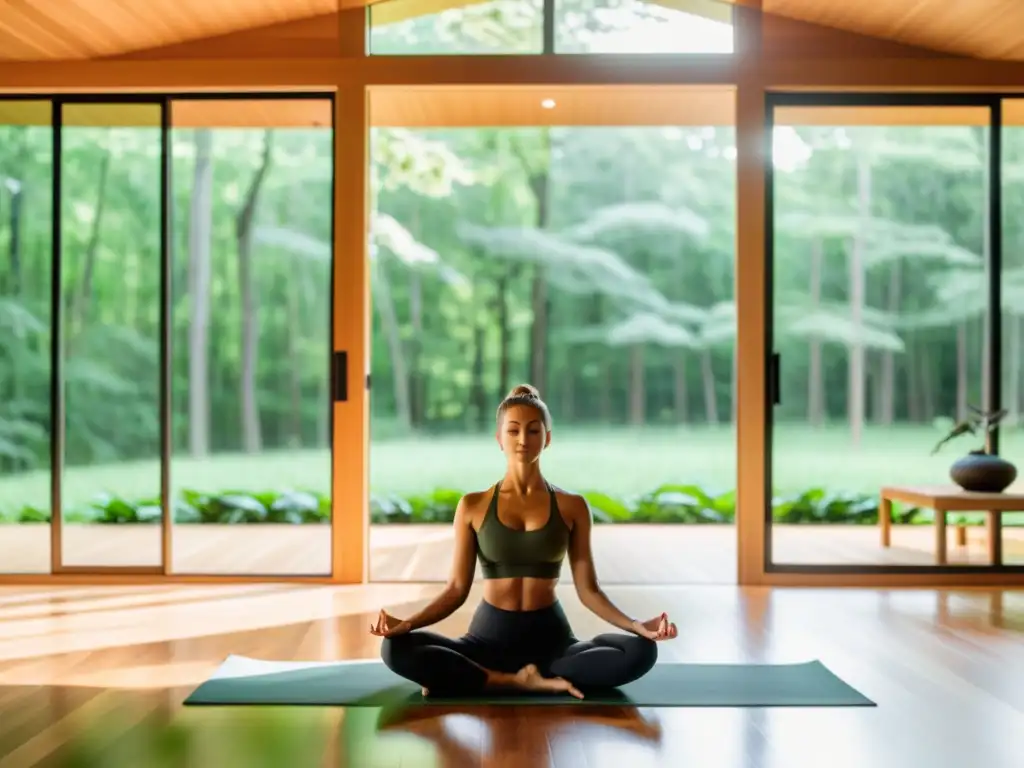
(340, 373)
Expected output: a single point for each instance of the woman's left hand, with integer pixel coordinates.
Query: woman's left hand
(658, 628)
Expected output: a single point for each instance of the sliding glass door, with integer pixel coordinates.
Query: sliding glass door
(166, 333)
(1012, 294)
(886, 278)
(251, 334)
(26, 232)
(108, 351)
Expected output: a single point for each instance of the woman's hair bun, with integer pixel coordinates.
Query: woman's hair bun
(524, 390)
(526, 395)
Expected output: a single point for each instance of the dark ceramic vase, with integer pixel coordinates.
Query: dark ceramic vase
(983, 472)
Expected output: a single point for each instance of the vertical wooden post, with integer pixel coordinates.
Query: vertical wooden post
(349, 526)
(751, 302)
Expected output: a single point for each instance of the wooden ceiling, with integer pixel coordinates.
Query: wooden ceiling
(987, 29)
(34, 30)
(81, 29)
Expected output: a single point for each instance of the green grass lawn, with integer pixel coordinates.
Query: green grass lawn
(616, 461)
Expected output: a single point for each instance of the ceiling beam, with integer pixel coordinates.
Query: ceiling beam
(431, 107)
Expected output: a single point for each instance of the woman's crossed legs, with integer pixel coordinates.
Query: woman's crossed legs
(467, 665)
(607, 661)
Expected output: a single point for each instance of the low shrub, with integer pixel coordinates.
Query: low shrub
(684, 503)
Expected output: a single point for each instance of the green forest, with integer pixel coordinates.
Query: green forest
(579, 26)
(596, 263)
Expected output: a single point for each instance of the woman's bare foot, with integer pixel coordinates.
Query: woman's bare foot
(529, 678)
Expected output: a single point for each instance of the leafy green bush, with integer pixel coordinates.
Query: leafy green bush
(684, 503)
(227, 507)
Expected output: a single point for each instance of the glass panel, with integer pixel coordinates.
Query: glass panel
(643, 26)
(110, 278)
(879, 303)
(596, 263)
(1011, 438)
(26, 235)
(251, 469)
(456, 27)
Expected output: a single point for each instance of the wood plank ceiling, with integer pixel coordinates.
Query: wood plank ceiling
(986, 29)
(31, 30)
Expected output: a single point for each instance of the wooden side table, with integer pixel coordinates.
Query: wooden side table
(951, 498)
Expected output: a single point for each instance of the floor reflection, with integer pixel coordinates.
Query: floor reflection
(494, 736)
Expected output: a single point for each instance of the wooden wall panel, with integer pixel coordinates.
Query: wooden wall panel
(317, 37)
(783, 37)
(532, 105)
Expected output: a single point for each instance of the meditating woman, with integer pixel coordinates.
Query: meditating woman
(519, 637)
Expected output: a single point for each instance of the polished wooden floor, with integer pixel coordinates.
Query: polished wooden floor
(627, 554)
(95, 676)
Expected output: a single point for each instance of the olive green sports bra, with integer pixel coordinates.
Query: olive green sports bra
(505, 553)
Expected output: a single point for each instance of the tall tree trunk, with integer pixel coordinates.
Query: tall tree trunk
(79, 315)
(986, 365)
(417, 378)
(292, 334)
(415, 346)
(15, 286)
(815, 373)
(504, 334)
(681, 395)
(252, 438)
(1013, 367)
(385, 306)
(636, 385)
(961, 371)
(856, 365)
(887, 406)
(199, 239)
(710, 394)
(477, 391)
(540, 182)
(927, 378)
(605, 378)
(539, 328)
(913, 387)
(16, 190)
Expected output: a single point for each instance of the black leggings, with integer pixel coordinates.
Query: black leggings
(506, 641)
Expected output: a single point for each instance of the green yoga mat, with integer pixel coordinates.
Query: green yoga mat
(240, 680)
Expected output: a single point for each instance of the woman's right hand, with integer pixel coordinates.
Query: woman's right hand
(389, 626)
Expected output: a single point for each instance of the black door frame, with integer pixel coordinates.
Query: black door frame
(165, 102)
(994, 103)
